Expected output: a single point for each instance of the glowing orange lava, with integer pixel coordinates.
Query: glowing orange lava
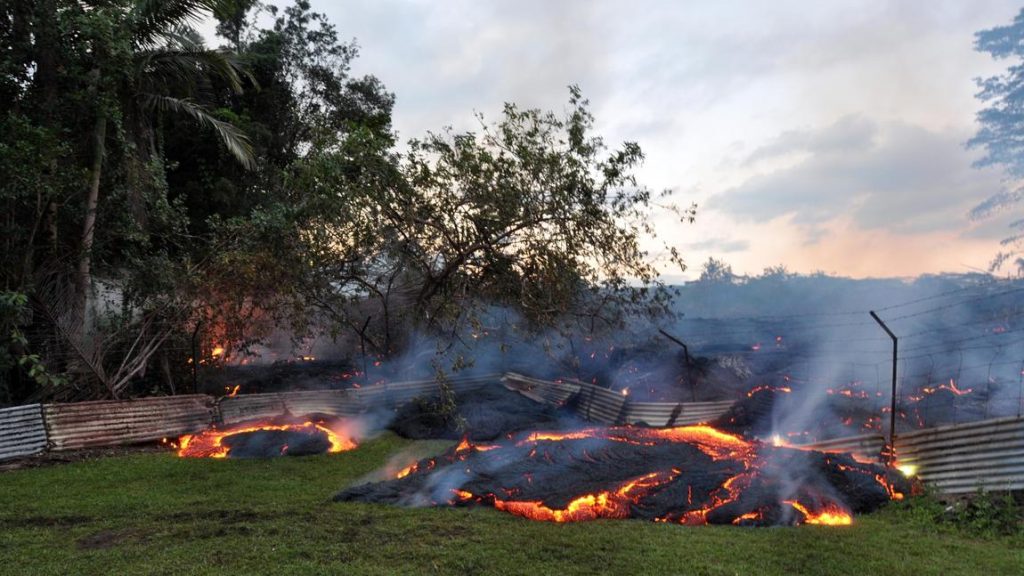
(209, 443)
(753, 462)
(764, 387)
(951, 387)
(606, 504)
(832, 515)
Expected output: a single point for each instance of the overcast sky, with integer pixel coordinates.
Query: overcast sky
(819, 135)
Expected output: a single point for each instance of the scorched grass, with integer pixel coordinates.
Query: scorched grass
(157, 514)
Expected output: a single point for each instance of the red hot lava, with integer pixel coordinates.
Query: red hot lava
(687, 475)
(766, 388)
(266, 438)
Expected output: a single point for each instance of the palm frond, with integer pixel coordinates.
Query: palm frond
(58, 304)
(235, 140)
(154, 19)
(188, 66)
(184, 37)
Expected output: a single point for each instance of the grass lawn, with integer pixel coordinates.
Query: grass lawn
(156, 514)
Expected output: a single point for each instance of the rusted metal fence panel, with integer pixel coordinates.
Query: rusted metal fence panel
(118, 422)
(330, 402)
(235, 409)
(21, 431)
(243, 407)
(963, 458)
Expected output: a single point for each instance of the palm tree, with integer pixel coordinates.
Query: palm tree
(169, 68)
(153, 64)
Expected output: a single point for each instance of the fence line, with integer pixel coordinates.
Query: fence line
(117, 422)
(604, 406)
(953, 459)
(21, 431)
(963, 458)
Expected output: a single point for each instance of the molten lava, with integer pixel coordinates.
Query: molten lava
(764, 387)
(951, 387)
(265, 439)
(686, 475)
(829, 516)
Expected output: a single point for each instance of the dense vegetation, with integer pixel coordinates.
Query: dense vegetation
(158, 190)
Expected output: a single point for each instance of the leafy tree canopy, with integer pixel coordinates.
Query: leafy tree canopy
(1001, 128)
(160, 192)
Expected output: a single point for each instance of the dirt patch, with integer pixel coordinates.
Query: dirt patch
(106, 539)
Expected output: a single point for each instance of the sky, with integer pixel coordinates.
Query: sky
(823, 136)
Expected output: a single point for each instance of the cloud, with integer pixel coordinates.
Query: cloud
(716, 93)
(848, 134)
(881, 174)
(720, 245)
(445, 60)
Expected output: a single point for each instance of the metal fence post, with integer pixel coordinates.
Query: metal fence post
(892, 403)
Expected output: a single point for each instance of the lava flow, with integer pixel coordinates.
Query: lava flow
(686, 475)
(266, 439)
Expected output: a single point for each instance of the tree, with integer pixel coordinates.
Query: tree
(1001, 131)
(87, 89)
(245, 225)
(158, 65)
(533, 213)
(778, 273)
(299, 213)
(717, 271)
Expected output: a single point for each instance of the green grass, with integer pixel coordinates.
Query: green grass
(157, 514)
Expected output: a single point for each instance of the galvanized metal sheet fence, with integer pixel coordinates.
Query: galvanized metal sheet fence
(679, 414)
(600, 405)
(117, 422)
(955, 459)
(605, 406)
(391, 394)
(962, 458)
(21, 431)
(866, 447)
(557, 393)
(336, 402)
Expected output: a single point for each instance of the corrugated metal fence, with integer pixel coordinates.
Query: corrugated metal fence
(605, 406)
(961, 458)
(952, 459)
(395, 393)
(21, 431)
(28, 430)
(866, 447)
(117, 422)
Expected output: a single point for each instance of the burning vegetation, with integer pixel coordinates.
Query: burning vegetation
(268, 438)
(687, 475)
